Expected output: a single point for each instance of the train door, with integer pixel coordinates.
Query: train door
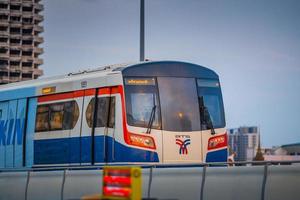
(19, 133)
(12, 123)
(10, 133)
(113, 121)
(30, 132)
(96, 125)
(86, 127)
(182, 138)
(104, 125)
(3, 127)
(75, 128)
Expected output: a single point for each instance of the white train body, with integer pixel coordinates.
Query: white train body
(152, 112)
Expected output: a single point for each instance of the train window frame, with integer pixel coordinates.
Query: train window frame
(103, 112)
(142, 81)
(55, 113)
(49, 112)
(112, 112)
(89, 112)
(44, 113)
(180, 112)
(203, 85)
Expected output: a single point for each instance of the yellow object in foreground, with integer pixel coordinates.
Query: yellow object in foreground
(122, 183)
(119, 182)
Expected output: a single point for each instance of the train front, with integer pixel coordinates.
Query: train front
(174, 113)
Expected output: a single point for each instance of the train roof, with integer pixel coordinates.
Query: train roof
(73, 76)
(150, 68)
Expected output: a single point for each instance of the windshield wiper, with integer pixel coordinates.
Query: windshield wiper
(151, 120)
(206, 117)
(209, 121)
(152, 117)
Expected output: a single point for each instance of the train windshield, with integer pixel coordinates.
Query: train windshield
(142, 102)
(179, 104)
(174, 102)
(210, 97)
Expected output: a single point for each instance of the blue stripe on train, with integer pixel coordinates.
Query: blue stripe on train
(217, 156)
(67, 150)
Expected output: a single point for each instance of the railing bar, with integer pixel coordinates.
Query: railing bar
(150, 182)
(27, 185)
(63, 185)
(143, 165)
(203, 182)
(263, 188)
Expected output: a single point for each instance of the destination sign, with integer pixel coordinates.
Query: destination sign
(140, 81)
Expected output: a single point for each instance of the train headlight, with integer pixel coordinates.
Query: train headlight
(142, 141)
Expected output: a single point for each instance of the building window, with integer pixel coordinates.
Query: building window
(3, 28)
(15, 7)
(27, 9)
(57, 116)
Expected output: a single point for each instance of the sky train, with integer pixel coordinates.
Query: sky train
(164, 112)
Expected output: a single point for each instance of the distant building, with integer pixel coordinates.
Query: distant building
(243, 142)
(287, 152)
(20, 38)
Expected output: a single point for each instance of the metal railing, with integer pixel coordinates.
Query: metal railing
(152, 165)
(154, 174)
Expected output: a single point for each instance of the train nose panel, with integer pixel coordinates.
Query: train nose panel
(184, 147)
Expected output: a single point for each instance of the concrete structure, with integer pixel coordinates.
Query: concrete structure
(20, 38)
(243, 142)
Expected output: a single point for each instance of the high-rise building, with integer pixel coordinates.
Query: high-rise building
(243, 142)
(20, 39)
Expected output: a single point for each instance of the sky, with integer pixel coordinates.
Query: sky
(254, 46)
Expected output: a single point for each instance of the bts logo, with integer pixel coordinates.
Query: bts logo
(183, 145)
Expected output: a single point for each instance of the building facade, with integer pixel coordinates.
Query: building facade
(20, 40)
(243, 142)
(287, 152)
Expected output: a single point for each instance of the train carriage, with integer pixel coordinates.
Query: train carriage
(150, 112)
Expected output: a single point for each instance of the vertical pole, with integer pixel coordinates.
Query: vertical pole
(203, 182)
(142, 31)
(263, 187)
(63, 186)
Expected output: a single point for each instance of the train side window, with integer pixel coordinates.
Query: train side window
(75, 113)
(104, 104)
(42, 118)
(57, 116)
(89, 112)
(71, 115)
(102, 111)
(111, 121)
(0, 114)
